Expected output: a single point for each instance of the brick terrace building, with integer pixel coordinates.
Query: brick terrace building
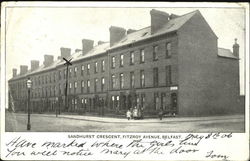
(174, 65)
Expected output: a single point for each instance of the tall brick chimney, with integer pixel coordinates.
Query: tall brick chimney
(158, 20)
(34, 64)
(236, 48)
(65, 52)
(14, 72)
(23, 69)
(48, 59)
(116, 34)
(87, 45)
(130, 31)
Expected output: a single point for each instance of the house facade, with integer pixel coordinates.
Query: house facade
(174, 65)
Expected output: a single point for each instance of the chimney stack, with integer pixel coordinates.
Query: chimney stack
(65, 52)
(48, 59)
(14, 72)
(100, 42)
(34, 65)
(236, 48)
(23, 69)
(130, 31)
(87, 45)
(158, 20)
(116, 34)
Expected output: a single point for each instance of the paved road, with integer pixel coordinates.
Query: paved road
(73, 123)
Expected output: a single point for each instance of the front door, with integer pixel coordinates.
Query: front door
(174, 103)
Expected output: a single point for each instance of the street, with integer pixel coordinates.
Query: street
(17, 122)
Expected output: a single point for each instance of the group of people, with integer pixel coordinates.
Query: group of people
(135, 113)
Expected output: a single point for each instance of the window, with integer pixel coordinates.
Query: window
(70, 86)
(96, 65)
(82, 87)
(59, 89)
(168, 75)
(75, 71)
(113, 81)
(121, 60)
(95, 87)
(121, 81)
(88, 68)
(155, 52)
(103, 65)
(113, 62)
(142, 56)
(132, 80)
(59, 75)
(168, 50)
(156, 101)
(82, 70)
(132, 58)
(142, 76)
(102, 84)
(70, 70)
(75, 86)
(65, 73)
(88, 85)
(155, 75)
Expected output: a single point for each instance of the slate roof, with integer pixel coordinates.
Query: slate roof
(142, 34)
(145, 33)
(226, 53)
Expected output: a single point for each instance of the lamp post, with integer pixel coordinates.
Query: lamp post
(29, 84)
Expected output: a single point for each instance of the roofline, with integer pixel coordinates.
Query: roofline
(227, 57)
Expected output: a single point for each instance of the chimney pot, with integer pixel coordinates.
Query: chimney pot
(100, 42)
(236, 48)
(116, 34)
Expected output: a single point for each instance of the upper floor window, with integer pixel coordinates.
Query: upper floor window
(82, 69)
(96, 65)
(121, 60)
(95, 87)
(88, 68)
(168, 75)
(132, 80)
(103, 65)
(102, 83)
(168, 50)
(70, 71)
(65, 73)
(121, 81)
(155, 77)
(113, 62)
(88, 85)
(142, 56)
(75, 85)
(82, 88)
(142, 76)
(132, 58)
(155, 52)
(113, 81)
(75, 71)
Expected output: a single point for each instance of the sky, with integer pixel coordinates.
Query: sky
(33, 32)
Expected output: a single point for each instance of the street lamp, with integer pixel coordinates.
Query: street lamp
(29, 84)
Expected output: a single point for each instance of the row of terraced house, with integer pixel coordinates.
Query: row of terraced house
(174, 65)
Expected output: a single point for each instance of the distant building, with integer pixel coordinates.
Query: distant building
(174, 65)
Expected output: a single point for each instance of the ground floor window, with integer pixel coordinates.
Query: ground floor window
(156, 101)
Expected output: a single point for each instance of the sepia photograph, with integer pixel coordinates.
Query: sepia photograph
(125, 69)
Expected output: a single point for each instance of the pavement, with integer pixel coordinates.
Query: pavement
(106, 119)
